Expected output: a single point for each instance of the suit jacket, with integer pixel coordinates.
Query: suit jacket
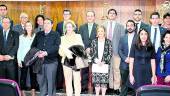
(59, 28)
(123, 50)
(83, 30)
(107, 53)
(162, 30)
(12, 43)
(118, 32)
(49, 43)
(18, 28)
(143, 25)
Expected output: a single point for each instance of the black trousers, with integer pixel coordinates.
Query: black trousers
(84, 78)
(8, 70)
(23, 77)
(124, 76)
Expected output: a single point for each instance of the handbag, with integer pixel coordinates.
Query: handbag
(81, 62)
(96, 68)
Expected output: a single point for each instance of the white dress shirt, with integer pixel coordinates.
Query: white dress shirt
(130, 39)
(158, 37)
(108, 27)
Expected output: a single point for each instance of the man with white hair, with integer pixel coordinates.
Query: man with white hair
(20, 27)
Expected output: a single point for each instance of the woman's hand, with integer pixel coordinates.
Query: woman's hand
(167, 79)
(132, 79)
(154, 79)
(20, 65)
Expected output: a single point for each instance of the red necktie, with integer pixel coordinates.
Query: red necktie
(110, 31)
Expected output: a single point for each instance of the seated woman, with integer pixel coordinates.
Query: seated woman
(163, 61)
(101, 53)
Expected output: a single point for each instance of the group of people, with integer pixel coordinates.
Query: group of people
(129, 57)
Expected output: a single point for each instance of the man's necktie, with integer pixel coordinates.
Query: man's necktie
(137, 27)
(154, 39)
(110, 32)
(5, 39)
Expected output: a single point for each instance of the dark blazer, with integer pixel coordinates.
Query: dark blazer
(59, 28)
(123, 50)
(18, 28)
(83, 30)
(162, 30)
(107, 53)
(143, 25)
(12, 43)
(49, 43)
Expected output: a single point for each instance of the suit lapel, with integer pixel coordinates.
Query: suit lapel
(86, 28)
(114, 30)
(9, 38)
(126, 40)
(93, 30)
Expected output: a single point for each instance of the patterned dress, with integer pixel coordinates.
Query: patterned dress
(101, 78)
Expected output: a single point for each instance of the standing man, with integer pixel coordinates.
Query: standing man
(114, 33)
(137, 17)
(156, 30)
(60, 26)
(20, 27)
(88, 33)
(8, 49)
(48, 42)
(125, 44)
(3, 13)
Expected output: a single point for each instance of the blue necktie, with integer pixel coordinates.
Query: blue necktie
(154, 39)
(5, 39)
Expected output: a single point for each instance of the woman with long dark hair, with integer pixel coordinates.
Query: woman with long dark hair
(142, 61)
(39, 22)
(163, 60)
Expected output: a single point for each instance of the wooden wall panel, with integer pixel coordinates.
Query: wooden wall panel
(54, 9)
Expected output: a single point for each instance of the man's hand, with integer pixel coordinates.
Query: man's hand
(1, 58)
(42, 54)
(7, 57)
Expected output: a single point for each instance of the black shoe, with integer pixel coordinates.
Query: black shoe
(117, 92)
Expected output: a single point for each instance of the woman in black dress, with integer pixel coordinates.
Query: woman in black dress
(142, 61)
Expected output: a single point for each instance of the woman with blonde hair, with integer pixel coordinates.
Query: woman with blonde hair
(101, 53)
(70, 39)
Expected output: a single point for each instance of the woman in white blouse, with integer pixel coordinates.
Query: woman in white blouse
(101, 53)
(25, 41)
(68, 40)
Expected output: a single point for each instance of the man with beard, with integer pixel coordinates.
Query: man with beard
(124, 50)
(137, 17)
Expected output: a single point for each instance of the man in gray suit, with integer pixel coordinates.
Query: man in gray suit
(88, 33)
(20, 27)
(114, 32)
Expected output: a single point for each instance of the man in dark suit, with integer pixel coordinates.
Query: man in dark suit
(88, 33)
(155, 30)
(125, 44)
(60, 26)
(137, 17)
(8, 49)
(20, 27)
(48, 42)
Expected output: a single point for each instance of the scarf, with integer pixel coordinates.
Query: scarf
(164, 50)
